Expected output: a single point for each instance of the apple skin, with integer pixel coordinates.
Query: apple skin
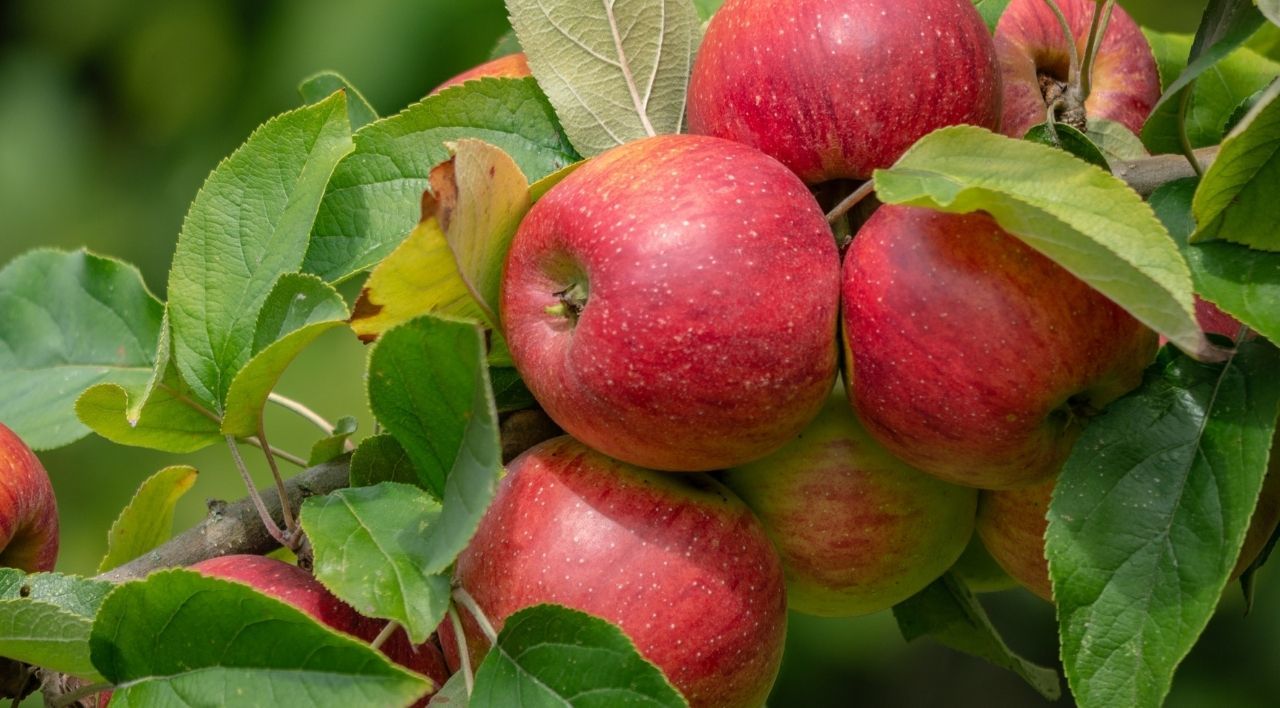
(295, 586)
(677, 561)
(710, 286)
(858, 530)
(512, 66)
(837, 88)
(1029, 41)
(970, 355)
(28, 509)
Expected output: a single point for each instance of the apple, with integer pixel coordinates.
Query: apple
(28, 509)
(973, 357)
(677, 561)
(295, 586)
(837, 88)
(673, 303)
(858, 530)
(513, 66)
(1034, 55)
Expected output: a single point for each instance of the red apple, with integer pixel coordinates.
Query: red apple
(837, 88)
(677, 561)
(973, 357)
(858, 529)
(1031, 45)
(513, 66)
(295, 586)
(28, 509)
(672, 303)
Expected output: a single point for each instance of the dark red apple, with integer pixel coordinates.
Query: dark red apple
(1034, 55)
(677, 561)
(28, 509)
(973, 357)
(672, 303)
(858, 529)
(295, 586)
(837, 88)
(512, 66)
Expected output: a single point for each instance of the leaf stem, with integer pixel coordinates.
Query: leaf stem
(290, 524)
(1097, 30)
(272, 529)
(297, 407)
(1184, 139)
(464, 598)
(862, 192)
(464, 654)
(385, 634)
(72, 697)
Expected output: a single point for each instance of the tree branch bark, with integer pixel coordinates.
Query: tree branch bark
(1148, 174)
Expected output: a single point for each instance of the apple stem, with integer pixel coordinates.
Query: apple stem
(385, 634)
(863, 191)
(1184, 139)
(272, 529)
(464, 654)
(1097, 29)
(464, 598)
(1074, 70)
(290, 524)
(573, 300)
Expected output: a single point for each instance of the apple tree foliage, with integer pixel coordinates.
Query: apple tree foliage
(1145, 525)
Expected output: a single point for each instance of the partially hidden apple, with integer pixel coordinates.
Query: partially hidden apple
(677, 561)
(28, 509)
(673, 303)
(858, 530)
(973, 357)
(1035, 59)
(295, 586)
(512, 66)
(837, 88)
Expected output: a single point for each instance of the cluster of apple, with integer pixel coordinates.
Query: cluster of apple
(678, 304)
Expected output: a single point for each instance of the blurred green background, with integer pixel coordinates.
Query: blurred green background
(112, 112)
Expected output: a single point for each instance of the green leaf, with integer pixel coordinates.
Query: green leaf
(429, 387)
(1225, 25)
(1217, 92)
(379, 458)
(372, 549)
(947, 611)
(1067, 138)
(299, 309)
(69, 321)
(147, 521)
(45, 620)
(333, 446)
(374, 198)
(509, 391)
(707, 8)
(453, 693)
(991, 10)
(1236, 200)
(179, 638)
(1080, 216)
(614, 71)
(1148, 517)
(554, 656)
(169, 420)
(506, 45)
(1243, 282)
(248, 225)
(1116, 142)
(317, 87)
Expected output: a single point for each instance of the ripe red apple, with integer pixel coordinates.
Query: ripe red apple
(973, 357)
(677, 561)
(295, 586)
(672, 303)
(837, 88)
(1032, 48)
(513, 66)
(28, 509)
(858, 529)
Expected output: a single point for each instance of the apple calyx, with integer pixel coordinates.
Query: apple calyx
(1064, 101)
(573, 300)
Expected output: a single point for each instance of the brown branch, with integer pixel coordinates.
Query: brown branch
(1148, 174)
